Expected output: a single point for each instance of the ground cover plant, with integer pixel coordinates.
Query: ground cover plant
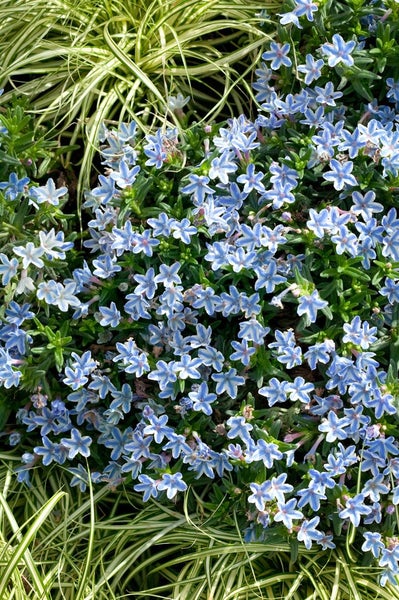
(225, 335)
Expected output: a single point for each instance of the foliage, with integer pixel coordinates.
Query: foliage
(150, 551)
(24, 147)
(83, 62)
(226, 334)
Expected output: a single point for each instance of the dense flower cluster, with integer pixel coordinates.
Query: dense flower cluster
(235, 317)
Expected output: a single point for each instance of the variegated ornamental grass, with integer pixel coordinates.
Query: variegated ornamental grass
(85, 62)
(57, 544)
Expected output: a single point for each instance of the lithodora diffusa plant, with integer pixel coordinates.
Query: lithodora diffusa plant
(229, 335)
(82, 62)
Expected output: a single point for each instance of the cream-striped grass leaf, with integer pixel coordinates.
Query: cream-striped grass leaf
(21, 552)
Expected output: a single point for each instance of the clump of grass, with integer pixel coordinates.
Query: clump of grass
(58, 543)
(82, 63)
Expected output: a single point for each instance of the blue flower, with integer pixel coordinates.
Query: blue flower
(168, 274)
(267, 452)
(18, 314)
(319, 222)
(171, 301)
(102, 385)
(64, 296)
(221, 166)
(148, 485)
(14, 187)
(122, 399)
(53, 244)
(202, 398)
(307, 8)
(139, 446)
(267, 277)
(359, 333)
(339, 51)
(278, 55)
(252, 180)
(391, 246)
(370, 231)
(106, 191)
(352, 142)
(354, 509)
(74, 378)
(136, 306)
(260, 494)
(312, 68)
(345, 241)
(105, 267)
(183, 230)
(307, 532)
(340, 174)
(162, 225)
(8, 268)
(30, 255)
(172, 483)
(390, 290)
(239, 259)
(327, 95)
(279, 488)
(178, 445)
(50, 451)
(240, 428)
(319, 352)
(311, 496)
(125, 177)
(309, 305)
(117, 441)
(146, 286)
(334, 427)
(211, 357)
(291, 356)
(374, 487)
(382, 403)
(80, 477)
(202, 337)
(321, 480)
(187, 367)
(228, 382)
(275, 391)
(47, 291)
(230, 303)
(48, 193)
(85, 362)
(287, 513)
(373, 543)
(324, 540)
(299, 390)
(393, 91)
(205, 298)
(158, 428)
(389, 558)
(243, 352)
(77, 444)
(143, 242)
(124, 238)
(198, 187)
(110, 316)
(156, 155)
(253, 331)
(290, 17)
